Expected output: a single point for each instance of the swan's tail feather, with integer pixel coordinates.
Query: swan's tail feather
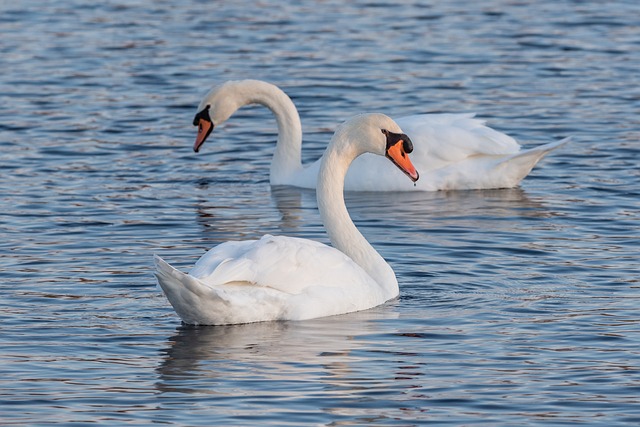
(198, 303)
(520, 164)
(544, 149)
(171, 280)
(184, 292)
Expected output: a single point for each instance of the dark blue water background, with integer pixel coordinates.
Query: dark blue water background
(517, 307)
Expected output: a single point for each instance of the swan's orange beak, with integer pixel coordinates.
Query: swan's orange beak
(398, 148)
(204, 129)
(205, 126)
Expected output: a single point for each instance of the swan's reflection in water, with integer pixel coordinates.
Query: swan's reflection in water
(416, 206)
(326, 351)
(293, 211)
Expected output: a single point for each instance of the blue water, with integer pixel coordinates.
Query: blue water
(517, 307)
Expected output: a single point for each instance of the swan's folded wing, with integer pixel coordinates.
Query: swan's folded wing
(287, 264)
(448, 138)
(210, 260)
(295, 265)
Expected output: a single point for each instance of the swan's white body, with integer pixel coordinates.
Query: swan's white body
(287, 278)
(451, 151)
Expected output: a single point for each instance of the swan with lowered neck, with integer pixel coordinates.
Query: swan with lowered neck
(288, 278)
(452, 151)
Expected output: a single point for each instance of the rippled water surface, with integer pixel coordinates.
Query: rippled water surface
(517, 307)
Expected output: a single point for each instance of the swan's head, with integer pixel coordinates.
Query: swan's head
(379, 134)
(217, 106)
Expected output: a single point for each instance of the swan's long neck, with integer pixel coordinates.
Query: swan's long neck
(342, 231)
(287, 157)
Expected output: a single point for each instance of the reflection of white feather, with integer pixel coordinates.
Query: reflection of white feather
(288, 278)
(451, 151)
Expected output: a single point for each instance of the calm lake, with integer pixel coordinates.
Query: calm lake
(517, 307)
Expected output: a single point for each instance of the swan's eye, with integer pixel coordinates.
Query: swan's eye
(202, 115)
(407, 145)
(395, 138)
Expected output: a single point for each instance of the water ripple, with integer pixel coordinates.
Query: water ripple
(517, 307)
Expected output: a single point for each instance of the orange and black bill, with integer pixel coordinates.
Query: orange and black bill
(205, 126)
(398, 148)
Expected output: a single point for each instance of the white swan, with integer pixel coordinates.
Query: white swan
(452, 151)
(287, 278)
